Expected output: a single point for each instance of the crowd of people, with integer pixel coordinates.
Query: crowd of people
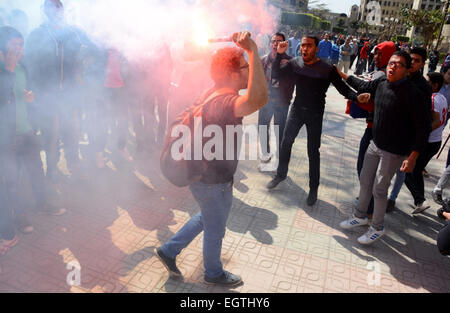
(57, 86)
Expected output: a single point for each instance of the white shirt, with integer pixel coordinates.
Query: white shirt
(439, 105)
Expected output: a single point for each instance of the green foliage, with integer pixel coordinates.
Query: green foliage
(427, 22)
(325, 25)
(338, 30)
(297, 19)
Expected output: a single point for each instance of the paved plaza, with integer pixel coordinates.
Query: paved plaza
(118, 215)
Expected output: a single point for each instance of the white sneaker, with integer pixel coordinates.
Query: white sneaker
(268, 167)
(353, 222)
(371, 236)
(421, 207)
(265, 158)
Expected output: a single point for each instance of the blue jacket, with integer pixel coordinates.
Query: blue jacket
(335, 52)
(325, 49)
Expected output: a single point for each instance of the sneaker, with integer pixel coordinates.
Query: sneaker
(125, 154)
(226, 279)
(23, 224)
(354, 222)
(100, 160)
(265, 158)
(6, 245)
(371, 236)
(274, 182)
(169, 264)
(267, 167)
(54, 211)
(390, 207)
(421, 207)
(437, 197)
(312, 197)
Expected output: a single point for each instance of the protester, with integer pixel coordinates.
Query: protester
(280, 95)
(214, 192)
(52, 53)
(364, 57)
(312, 77)
(325, 46)
(418, 58)
(345, 56)
(401, 127)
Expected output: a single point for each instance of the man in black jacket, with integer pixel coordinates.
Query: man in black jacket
(312, 78)
(53, 56)
(400, 131)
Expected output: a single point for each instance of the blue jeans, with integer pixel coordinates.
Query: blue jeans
(279, 113)
(399, 180)
(215, 204)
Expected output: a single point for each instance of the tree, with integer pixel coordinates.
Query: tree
(427, 22)
(320, 9)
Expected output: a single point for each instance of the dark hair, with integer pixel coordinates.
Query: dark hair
(280, 34)
(445, 69)
(316, 40)
(436, 78)
(404, 55)
(6, 34)
(224, 62)
(420, 51)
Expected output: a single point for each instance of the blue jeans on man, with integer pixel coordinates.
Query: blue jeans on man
(215, 202)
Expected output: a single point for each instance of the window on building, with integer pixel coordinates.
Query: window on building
(293, 2)
(423, 6)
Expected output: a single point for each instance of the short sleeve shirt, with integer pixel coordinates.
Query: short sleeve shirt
(220, 112)
(439, 105)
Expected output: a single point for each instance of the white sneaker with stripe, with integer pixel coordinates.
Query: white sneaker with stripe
(353, 222)
(371, 236)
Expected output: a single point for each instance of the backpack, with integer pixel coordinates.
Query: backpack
(185, 171)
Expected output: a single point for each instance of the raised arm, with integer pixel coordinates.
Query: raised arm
(257, 94)
(277, 70)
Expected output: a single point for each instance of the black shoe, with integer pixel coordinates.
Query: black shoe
(274, 182)
(226, 279)
(169, 264)
(437, 197)
(390, 207)
(312, 197)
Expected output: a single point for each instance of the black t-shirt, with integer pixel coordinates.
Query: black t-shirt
(220, 111)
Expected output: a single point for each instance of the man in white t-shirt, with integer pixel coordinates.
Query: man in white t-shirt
(414, 180)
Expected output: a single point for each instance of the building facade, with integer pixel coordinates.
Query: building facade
(298, 6)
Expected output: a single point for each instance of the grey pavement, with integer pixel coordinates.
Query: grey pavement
(116, 216)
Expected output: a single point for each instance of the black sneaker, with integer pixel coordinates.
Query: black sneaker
(312, 197)
(437, 197)
(274, 182)
(169, 264)
(226, 279)
(390, 207)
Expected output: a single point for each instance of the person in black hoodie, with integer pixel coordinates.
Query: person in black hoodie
(400, 131)
(53, 57)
